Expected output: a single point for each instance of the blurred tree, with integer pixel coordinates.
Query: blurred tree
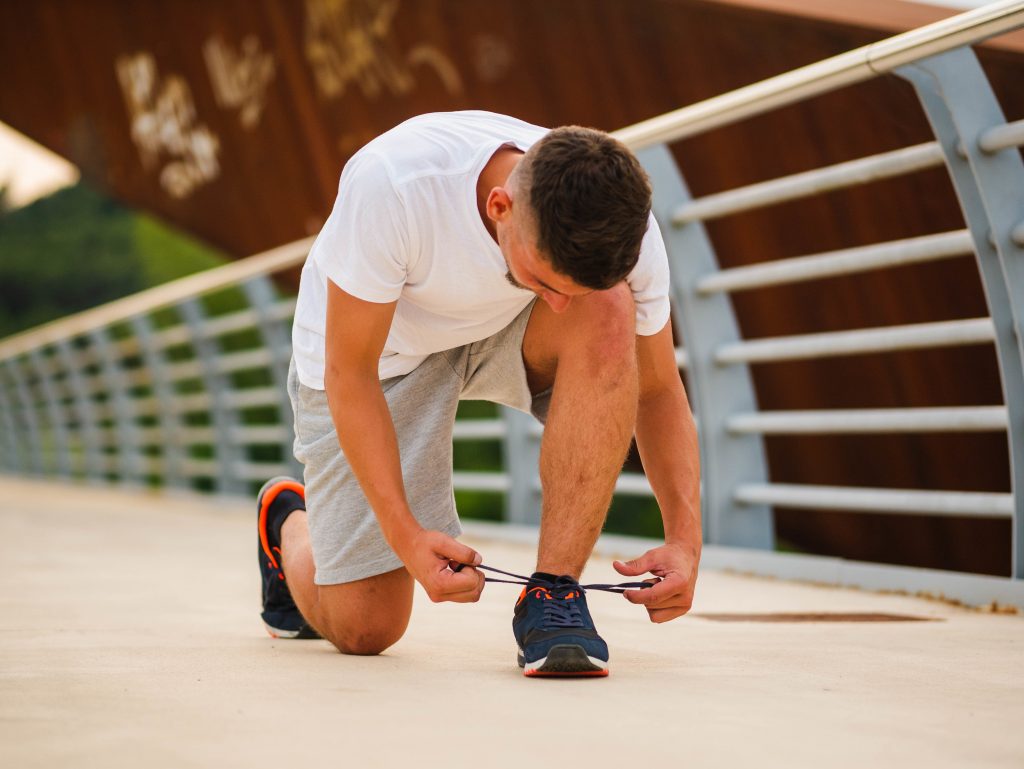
(76, 249)
(63, 253)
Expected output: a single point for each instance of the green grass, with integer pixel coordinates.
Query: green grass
(77, 249)
(166, 254)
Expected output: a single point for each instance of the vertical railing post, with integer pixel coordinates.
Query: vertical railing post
(29, 416)
(277, 339)
(94, 465)
(169, 418)
(707, 322)
(120, 400)
(223, 418)
(960, 105)
(522, 459)
(12, 452)
(56, 414)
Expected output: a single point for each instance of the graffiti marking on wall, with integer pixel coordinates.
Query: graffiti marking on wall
(164, 126)
(348, 43)
(493, 58)
(240, 78)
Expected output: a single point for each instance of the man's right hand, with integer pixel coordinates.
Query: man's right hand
(427, 555)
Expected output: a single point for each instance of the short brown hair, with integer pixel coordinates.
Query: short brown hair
(590, 200)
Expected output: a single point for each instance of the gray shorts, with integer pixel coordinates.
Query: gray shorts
(347, 541)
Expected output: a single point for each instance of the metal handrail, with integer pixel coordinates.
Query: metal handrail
(914, 336)
(847, 261)
(1002, 137)
(981, 504)
(824, 76)
(958, 419)
(786, 188)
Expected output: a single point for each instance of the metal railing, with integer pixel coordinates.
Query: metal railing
(183, 384)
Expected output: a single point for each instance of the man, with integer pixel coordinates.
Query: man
(474, 256)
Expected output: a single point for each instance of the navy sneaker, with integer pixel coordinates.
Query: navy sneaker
(555, 632)
(278, 497)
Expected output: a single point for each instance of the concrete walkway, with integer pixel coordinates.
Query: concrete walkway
(129, 636)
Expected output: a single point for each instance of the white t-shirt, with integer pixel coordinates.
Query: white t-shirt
(406, 227)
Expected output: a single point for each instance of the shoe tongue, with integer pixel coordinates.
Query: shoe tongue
(565, 585)
(560, 584)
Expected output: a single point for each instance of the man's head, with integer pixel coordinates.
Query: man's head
(580, 211)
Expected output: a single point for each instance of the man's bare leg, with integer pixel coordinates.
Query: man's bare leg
(588, 354)
(362, 617)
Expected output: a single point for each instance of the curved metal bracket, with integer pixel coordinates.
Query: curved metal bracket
(129, 450)
(27, 408)
(55, 413)
(717, 391)
(262, 296)
(222, 413)
(170, 421)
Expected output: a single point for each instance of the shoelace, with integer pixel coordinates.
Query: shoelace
(519, 579)
(560, 606)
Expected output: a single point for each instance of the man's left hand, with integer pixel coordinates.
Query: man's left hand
(671, 597)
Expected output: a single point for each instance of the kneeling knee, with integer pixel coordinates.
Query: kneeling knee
(364, 642)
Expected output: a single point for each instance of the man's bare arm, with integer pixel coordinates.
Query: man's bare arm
(667, 440)
(356, 333)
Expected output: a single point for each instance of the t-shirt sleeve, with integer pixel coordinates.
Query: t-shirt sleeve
(649, 282)
(364, 247)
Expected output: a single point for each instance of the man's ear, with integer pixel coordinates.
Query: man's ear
(499, 204)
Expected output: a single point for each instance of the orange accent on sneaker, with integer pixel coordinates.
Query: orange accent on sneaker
(268, 498)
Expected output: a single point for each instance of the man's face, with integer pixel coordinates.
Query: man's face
(527, 267)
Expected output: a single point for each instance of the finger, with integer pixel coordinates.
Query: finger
(466, 596)
(667, 614)
(462, 598)
(454, 550)
(467, 580)
(657, 593)
(632, 568)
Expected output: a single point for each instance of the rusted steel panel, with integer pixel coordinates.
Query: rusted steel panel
(233, 119)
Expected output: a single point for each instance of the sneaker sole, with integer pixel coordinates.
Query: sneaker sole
(564, 660)
(305, 634)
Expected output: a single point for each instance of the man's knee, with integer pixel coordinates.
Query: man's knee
(596, 335)
(361, 639)
(608, 326)
(367, 616)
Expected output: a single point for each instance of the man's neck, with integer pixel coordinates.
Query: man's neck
(494, 175)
